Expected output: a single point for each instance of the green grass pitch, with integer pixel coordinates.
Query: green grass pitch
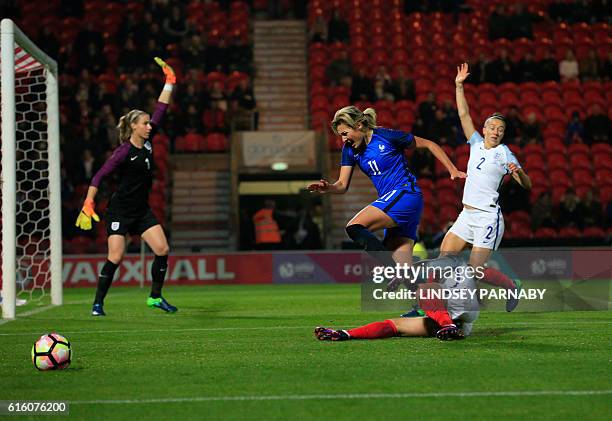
(248, 352)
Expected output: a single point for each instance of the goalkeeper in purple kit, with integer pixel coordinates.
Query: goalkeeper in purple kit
(128, 210)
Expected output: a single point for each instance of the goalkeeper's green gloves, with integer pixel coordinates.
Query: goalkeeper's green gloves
(85, 216)
(168, 71)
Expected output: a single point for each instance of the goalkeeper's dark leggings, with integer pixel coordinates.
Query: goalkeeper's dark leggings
(105, 280)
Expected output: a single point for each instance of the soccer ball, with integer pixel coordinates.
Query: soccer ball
(51, 352)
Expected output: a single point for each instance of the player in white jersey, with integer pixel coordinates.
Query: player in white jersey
(481, 223)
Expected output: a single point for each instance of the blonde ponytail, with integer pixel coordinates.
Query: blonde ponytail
(351, 116)
(125, 124)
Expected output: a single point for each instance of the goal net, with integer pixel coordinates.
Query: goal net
(30, 178)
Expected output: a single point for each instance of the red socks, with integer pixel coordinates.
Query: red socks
(376, 330)
(494, 277)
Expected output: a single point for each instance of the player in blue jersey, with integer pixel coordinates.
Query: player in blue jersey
(379, 153)
(128, 210)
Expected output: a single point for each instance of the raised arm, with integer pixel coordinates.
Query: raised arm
(166, 92)
(520, 176)
(441, 156)
(339, 187)
(462, 107)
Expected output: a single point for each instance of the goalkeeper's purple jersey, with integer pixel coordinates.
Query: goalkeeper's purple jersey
(383, 160)
(135, 166)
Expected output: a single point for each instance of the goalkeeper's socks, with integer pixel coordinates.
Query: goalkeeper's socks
(105, 279)
(495, 277)
(158, 274)
(376, 330)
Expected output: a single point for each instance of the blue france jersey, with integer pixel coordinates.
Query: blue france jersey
(383, 160)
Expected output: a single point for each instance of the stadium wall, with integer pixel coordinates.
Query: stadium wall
(323, 267)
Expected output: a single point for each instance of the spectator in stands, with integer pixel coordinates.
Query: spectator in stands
(532, 129)
(217, 57)
(403, 86)
(590, 66)
(570, 214)
(440, 129)
(339, 69)
(362, 88)
(513, 197)
(383, 75)
(194, 52)
(318, 31)
(590, 208)
(130, 58)
(307, 235)
(596, 126)
(427, 110)
(548, 68)
(86, 36)
(153, 49)
(216, 96)
(527, 68)
(479, 71)
(243, 103)
(380, 91)
(87, 167)
(568, 67)
(451, 116)
(520, 22)
(94, 60)
(501, 69)
(176, 24)
(542, 212)
(48, 42)
(499, 23)
(607, 67)
(514, 126)
(338, 28)
(575, 129)
(559, 10)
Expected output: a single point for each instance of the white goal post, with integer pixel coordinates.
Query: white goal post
(31, 198)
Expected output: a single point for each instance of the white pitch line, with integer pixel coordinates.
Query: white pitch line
(28, 313)
(510, 393)
(216, 329)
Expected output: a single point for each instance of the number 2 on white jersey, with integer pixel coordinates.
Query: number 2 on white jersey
(374, 167)
(482, 160)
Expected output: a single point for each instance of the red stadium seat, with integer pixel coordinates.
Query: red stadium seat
(569, 232)
(533, 149)
(216, 142)
(593, 232)
(582, 177)
(545, 233)
(554, 145)
(601, 148)
(605, 194)
(560, 179)
(578, 148)
(580, 162)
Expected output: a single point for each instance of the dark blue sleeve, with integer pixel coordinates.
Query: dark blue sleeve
(400, 139)
(348, 156)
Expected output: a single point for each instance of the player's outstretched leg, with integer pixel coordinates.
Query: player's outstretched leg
(449, 333)
(513, 301)
(376, 330)
(327, 334)
(158, 274)
(493, 276)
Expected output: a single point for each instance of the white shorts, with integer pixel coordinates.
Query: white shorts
(480, 228)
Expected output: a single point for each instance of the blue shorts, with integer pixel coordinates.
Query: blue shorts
(404, 207)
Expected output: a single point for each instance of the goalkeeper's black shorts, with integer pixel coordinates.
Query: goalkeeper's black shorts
(134, 225)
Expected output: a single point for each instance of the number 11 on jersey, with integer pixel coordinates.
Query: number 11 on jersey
(374, 167)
